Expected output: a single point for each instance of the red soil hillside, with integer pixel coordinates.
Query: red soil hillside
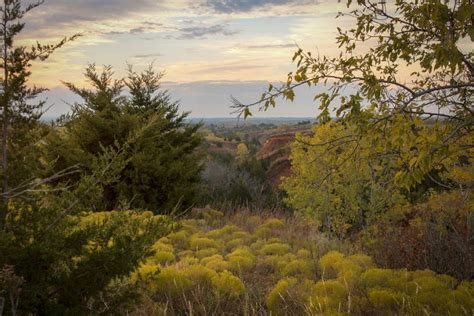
(276, 150)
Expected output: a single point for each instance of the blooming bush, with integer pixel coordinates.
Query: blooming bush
(219, 267)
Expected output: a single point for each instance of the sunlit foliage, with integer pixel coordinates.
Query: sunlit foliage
(340, 181)
(286, 276)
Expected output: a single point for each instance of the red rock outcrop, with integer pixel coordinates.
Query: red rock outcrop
(276, 150)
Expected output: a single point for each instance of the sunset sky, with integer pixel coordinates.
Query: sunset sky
(209, 49)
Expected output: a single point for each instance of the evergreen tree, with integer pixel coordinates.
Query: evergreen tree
(20, 114)
(164, 164)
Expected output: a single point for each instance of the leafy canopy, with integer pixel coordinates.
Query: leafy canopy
(412, 70)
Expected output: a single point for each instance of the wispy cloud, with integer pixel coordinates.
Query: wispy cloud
(142, 56)
(269, 46)
(199, 31)
(239, 6)
(73, 11)
(141, 28)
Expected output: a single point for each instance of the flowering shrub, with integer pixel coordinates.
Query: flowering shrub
(218, 267)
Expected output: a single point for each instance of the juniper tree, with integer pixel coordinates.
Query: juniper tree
(19, 111)
(164, 164)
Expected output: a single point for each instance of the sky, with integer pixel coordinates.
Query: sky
(208, 49)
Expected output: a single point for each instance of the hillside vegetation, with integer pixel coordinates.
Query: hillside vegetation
(123, 207)
(245, 264)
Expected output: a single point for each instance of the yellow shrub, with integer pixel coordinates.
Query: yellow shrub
(208, 214)
(297, 267)
(197, 243)
(205, 260)
(276, 301)
(190, 225)
(433, 291)
(160, 246)
(241, 263)
(200, 275)
(289, 256)
(332, 288)
(241, 259)
(208, 252)
(227, 285)
(185, 263)
(275, 249)
(303, 254)
(224, 232)
(329, 263)
(464, 295)
(195, 267)
(329, 295)
(243, 251)
(234, 243)
(348, 272)
(241, 235)
(273, 223)
(257, 245)
(163, 257)
(144, 273)
(179, 239)
(186, 253)
(377, 277)
(275, 263)
(216, 263)
(274, 240)
(385, 299)
(289, 297)
(171, 281)
(263, 232)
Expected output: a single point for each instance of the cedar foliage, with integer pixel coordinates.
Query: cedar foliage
(163, 163)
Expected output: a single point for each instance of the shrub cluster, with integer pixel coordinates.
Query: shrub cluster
(217, 265)
(436, 234)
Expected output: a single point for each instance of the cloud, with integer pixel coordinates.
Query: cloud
(56, 18)
(194, 32)
(239, 6)
(94, 10)
(147, 56)
(267, 46)
(143, 28)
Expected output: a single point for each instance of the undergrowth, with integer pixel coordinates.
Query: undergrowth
(259, 265)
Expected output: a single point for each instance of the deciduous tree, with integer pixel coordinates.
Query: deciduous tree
(411, 65)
